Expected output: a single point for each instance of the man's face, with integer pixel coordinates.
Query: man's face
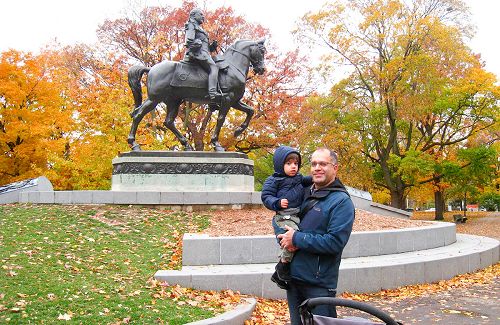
(323, 169)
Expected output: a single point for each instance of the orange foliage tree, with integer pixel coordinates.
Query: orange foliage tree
(414, 93)
(35, 115)
(97, 84)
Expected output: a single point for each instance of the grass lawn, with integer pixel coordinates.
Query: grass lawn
(93, 264)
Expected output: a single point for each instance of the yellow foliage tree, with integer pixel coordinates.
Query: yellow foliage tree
(35, 115)
(414, 94)
(98, 88)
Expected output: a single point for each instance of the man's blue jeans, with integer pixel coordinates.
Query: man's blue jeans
(297, 293)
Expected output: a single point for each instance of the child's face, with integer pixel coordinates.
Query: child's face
(291, 167)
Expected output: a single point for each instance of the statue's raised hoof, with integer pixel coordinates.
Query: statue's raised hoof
(136, 147)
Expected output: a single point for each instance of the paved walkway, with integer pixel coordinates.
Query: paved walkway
(477, 304)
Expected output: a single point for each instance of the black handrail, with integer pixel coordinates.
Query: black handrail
(307, 306)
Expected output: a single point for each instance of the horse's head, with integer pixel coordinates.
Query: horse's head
(254, 51)
(257, 52)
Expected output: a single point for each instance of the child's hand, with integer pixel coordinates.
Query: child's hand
(284, 203)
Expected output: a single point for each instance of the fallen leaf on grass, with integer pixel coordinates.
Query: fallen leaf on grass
(21, 303)
(64, 317)
(105, 311)
(135, 293)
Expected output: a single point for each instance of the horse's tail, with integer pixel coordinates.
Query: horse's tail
(134, 81)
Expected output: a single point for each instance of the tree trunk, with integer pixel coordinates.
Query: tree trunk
(395, 186)
(439, 203)
(398, 199)
(465, 204)
(198, 143)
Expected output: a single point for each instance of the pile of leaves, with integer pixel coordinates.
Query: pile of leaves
(485, 276)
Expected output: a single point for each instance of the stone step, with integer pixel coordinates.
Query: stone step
(201, 249)
(361, 274)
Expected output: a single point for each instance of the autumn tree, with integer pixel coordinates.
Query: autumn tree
(35, 115)
(97, 84)
(414, 94)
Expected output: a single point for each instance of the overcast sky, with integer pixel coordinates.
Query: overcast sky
(28, 25)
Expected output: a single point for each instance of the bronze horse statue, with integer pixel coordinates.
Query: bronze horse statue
(168, 85)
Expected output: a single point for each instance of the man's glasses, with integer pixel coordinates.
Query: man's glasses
(321, 164)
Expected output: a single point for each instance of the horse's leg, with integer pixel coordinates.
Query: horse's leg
(249, 111)
(141, 111)
(221, 117)
(172, 111)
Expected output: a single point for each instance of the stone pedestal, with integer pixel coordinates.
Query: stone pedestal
(182, 171)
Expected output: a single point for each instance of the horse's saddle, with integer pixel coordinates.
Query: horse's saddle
(191, 75)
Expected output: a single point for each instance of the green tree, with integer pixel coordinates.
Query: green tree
(490, 201)
(475, 168)
(414, 92)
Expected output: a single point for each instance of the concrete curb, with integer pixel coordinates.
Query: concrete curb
(237, 316)
(360, 274)
(180, 200)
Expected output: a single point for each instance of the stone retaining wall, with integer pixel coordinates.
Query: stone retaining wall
(201, 249)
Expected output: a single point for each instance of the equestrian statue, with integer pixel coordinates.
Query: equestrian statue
(199, 78)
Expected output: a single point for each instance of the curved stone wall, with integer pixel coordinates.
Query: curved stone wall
(201, 249)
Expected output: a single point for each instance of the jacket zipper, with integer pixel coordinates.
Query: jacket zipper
(319, 268)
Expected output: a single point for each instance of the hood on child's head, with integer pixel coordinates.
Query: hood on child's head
(280, 156)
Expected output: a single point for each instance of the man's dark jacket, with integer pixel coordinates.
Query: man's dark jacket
(324, 231)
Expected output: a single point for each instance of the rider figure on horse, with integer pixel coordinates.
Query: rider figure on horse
(198, 50)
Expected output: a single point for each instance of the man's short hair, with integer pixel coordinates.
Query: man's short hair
(332, 153)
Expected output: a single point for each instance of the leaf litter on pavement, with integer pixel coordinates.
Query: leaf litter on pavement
(270, 311)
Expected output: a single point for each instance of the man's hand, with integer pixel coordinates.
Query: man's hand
(286, 239)
(284, 203)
